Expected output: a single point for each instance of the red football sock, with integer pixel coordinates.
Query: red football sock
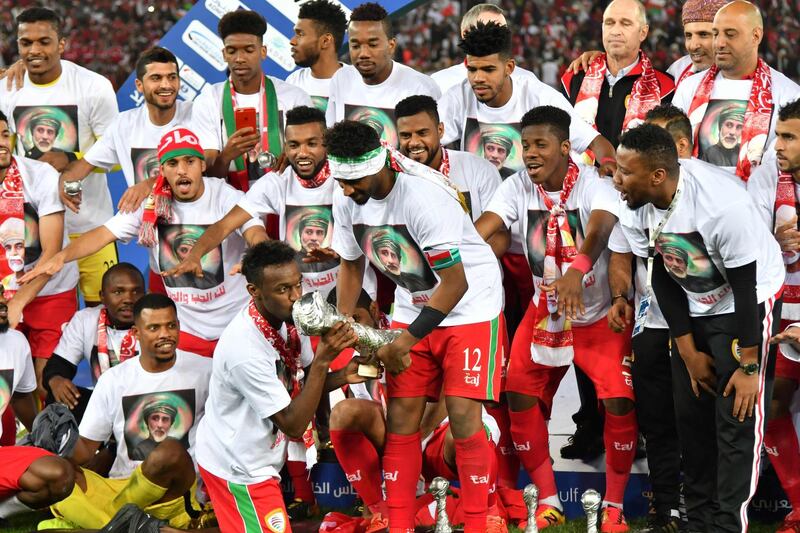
(784, 452)
(402, 464)
(360, 462)
(474, 476)
(620, 436)
(529, 429)
(492, 501)
(300, 481)
(507, 460)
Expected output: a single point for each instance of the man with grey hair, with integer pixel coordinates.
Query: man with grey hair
(620, 86)
(737, 85)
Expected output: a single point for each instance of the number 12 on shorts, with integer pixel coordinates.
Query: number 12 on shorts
(476, 356)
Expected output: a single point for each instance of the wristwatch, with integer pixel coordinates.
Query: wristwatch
(749, 368)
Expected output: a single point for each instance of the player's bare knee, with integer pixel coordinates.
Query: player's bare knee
(352, 414)
(618, 406)
(520, 402)
(51, 479)
(404, 415)
(464, 415)
(168, 456)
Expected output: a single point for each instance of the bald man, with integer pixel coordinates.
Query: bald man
(738, 81)
(620, 86)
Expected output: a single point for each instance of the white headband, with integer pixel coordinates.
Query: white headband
(355, 168)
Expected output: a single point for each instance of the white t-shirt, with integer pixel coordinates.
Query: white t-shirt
(125, 393)
(730, 97)
(713, 227)
(237, 441)
(474, 122)
(16, 368)
(352, 99)
(207, 121)
(79, 340)
(83, 103)
(518, 201)
(204, 304)
(131, 142)
(474, 176)
(618, 243)
(678, 67)
(40, 189)
(451, 76)
(418, 216)
(319, 89)
(305, 217)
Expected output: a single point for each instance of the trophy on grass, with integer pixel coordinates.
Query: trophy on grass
(591, 505)
(531, 498)
(438, 488)
(314, 316)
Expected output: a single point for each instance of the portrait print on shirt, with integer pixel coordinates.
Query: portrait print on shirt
(6, 382)
(150, 418)
(392, 250)
(145, 164)
(687, 260)
(379, 119)
(175, 241)
(20, 246)
(320, 102)
(500, 144)
(537, 236)
(309, 227)
(720, 134)
(43, 129)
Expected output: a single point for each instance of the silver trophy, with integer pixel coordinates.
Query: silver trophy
(314, 316)
(438, 488)
(73, 188)
(266, 160)
(531, 498)
(591, 505)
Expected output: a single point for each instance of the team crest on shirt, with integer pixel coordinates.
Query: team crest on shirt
(175, 241)
(145, 164)
(151, 418)
(380, 119)
(275, 520)
(47, 128)
(736, 351)
(392, 250)
(500, 144)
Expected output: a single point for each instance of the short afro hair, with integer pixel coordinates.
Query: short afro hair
(654, 144)
(265, 254)
(242, 21)
(418, 103)
(485, 39)
(118, 268)
(154, 300)
(553, 117)
(41, 14)
(372, 12)
(155, 54)
(349, 139)
(304, 114)
(674, 121)
(327, 17)
(790, 111)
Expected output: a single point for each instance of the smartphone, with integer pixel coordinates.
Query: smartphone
(245, 117)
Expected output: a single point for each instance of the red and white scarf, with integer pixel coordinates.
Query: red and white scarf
(645, 95)
(288, 350)
(688, 71)
(321, 177)
(12, 200)
(785, 212)
(127, 348)
(444, 167)
(551, 344)
(157, 208)
(756, 118)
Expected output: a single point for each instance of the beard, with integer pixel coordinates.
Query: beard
(308, 61)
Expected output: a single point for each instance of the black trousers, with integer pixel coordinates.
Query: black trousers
(721, 456)
(655, 412)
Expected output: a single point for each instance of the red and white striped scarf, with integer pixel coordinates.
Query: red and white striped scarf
(105, 360)
(645, 95)
(12, 200)
(756, 118)
(785, 212)
(288, 350)
(551, 344)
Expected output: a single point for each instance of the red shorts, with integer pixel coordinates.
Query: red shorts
(602, 354)
(466, 359)
(43, 321)
(256, 507)
(433, 463)
(194, 344)
(15, 461)
(517, 279)
(786, 368)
